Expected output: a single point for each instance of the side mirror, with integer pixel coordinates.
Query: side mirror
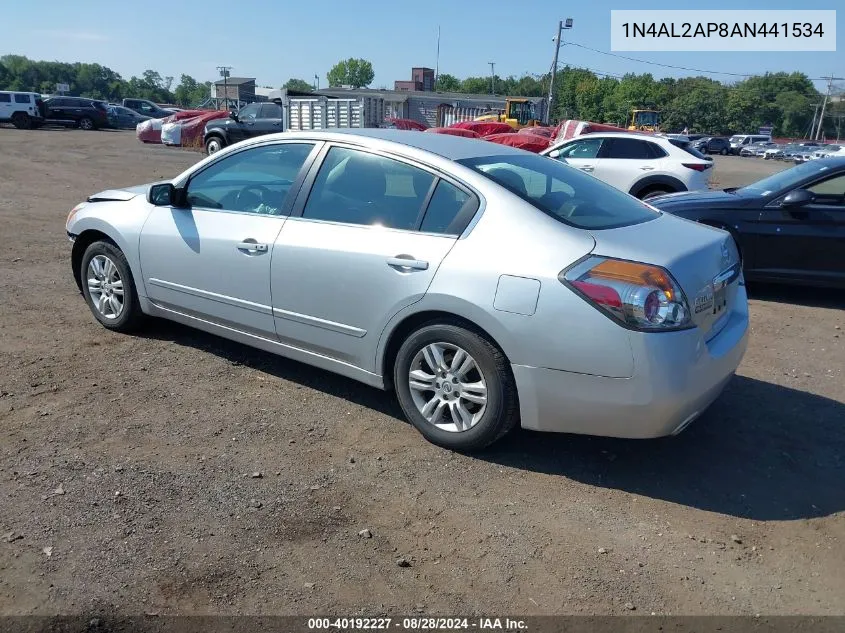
(555, 153)
(164, 194)
(234, 116)
(797, 198)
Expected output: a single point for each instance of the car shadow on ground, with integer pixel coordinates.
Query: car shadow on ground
(798, 295)
(762, 451)
(300, 373)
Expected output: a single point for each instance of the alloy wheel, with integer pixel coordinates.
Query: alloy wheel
(105, 287)
(447, 387)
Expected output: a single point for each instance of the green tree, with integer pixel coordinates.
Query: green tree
(476, 85)
(351, 72)
(448, 83)
(190, 92)
(298, 84)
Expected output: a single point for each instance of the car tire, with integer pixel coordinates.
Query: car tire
(724, 152)
(480, 367)
(86, 123)
(653, 193)
(213, 145)
(105, 273)
(22, 121)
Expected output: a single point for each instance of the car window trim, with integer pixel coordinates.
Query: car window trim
(295, 187)
(308, 186)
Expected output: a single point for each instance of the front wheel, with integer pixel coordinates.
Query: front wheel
(724, 152)
(455, 387)
(108, 287)
(213, 144)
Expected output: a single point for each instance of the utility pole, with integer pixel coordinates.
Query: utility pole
(224, 72)
(492, 77)
(316, 82)
(830, 81)
(557, 40)
(437, 59)
(812, 129)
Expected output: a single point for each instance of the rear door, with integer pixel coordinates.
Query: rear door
(807, 241)
(365, 244)
(5, 106)
(625, 161)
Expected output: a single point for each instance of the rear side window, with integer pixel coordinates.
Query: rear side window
(22, 98)
(357, 187)
(629, 148)
(271, 111)
(5, 97)
(445, 208)
(562, 192)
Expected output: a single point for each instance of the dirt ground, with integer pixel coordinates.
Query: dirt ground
(127, 462)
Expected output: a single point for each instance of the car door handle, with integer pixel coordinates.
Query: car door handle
(587, 168)
(647, 168)
(252, 246)
(406, 261)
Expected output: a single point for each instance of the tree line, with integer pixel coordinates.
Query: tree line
(783, 100)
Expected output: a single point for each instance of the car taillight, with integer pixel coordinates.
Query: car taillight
(697, 166)
(639, 296)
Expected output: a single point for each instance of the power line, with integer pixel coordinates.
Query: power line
(695, 70)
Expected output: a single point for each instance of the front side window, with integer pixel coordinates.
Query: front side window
(562, 192)
(248, 112)
(256, 180)
(830, 191)
(586, 148)
(356, 187)
(22, 98)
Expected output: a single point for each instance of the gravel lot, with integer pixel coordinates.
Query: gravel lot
(174, 472)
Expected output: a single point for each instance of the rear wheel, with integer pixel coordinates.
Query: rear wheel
(455, 387)
(724, 152)
(653, 193)
(86, 123)
(109, 288)
(22, 121)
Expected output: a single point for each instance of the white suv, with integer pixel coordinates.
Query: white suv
(24, 109)
(643, 165)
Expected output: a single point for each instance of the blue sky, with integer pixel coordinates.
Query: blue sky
(274, 40)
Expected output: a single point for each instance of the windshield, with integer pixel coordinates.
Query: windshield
(735, 139)
(646, 117)
(561, 191)
(784, 179)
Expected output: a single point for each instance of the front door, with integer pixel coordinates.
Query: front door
(806, 241)
(212, 259)
(269, 119)
(583, 153)
(244, 127)
(366, 244)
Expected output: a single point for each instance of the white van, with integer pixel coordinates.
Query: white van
(24, 109)
(738, 141)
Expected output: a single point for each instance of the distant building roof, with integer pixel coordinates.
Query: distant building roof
(404, 95)
(234, 81)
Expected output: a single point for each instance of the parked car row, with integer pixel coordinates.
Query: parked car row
(26, 110)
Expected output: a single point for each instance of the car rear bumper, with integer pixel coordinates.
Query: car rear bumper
(677, 376)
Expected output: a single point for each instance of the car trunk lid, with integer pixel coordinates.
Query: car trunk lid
(703, 260)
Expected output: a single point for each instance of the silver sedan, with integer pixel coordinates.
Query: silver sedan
(485, 285)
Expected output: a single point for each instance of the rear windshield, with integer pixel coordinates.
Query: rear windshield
(561, 191)
(688, 148)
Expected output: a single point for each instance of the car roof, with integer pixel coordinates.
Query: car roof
(445, 145)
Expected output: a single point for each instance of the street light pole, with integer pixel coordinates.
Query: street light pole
(560, 27)
(224, 72)
(492, 77)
